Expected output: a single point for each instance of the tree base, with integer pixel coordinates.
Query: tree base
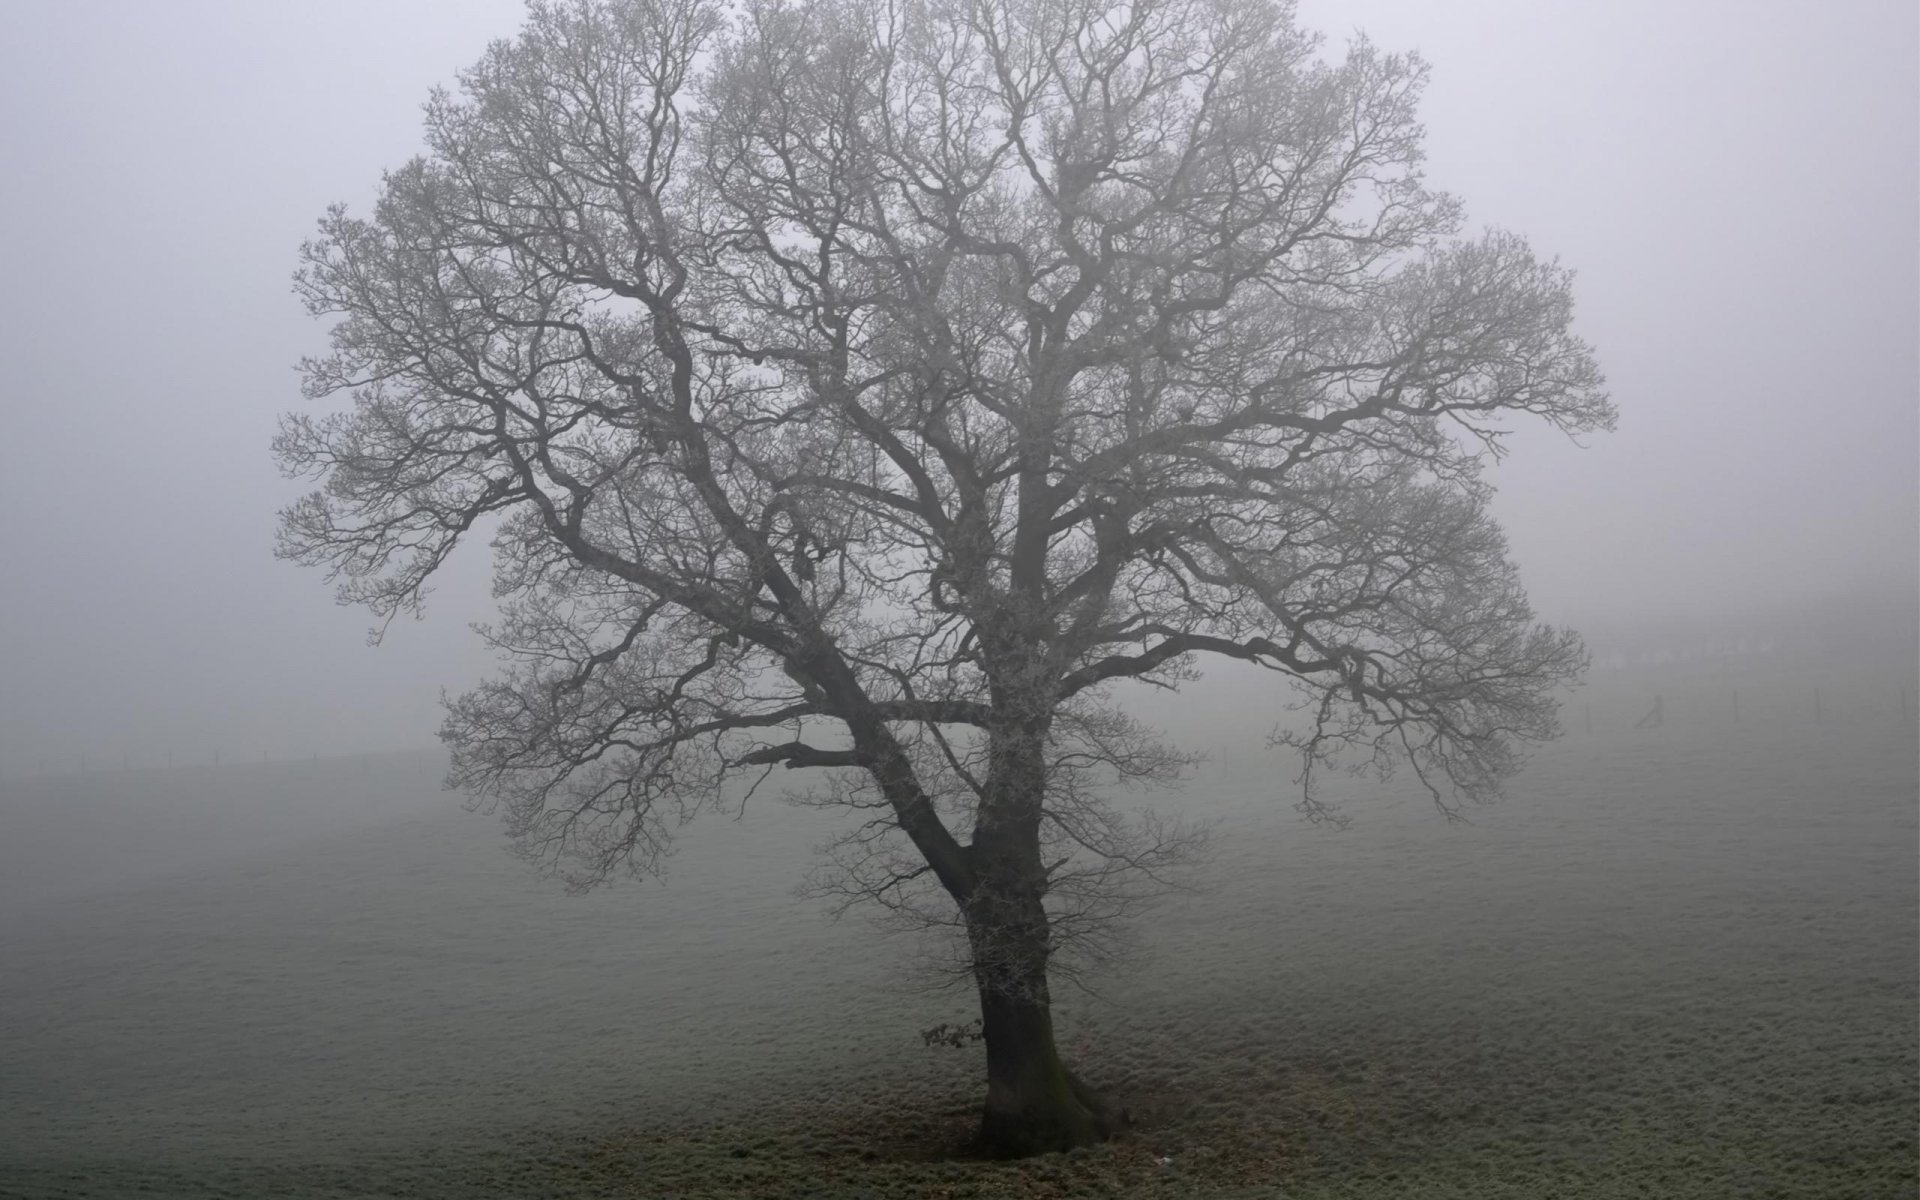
(1048, 1116)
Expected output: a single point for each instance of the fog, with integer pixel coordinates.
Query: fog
(1735, 184)
(248, 945)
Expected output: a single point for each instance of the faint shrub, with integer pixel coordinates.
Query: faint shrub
(956, 1036)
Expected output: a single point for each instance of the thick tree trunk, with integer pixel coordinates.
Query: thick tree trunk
(1034, 1104)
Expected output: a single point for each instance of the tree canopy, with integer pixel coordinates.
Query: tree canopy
(884, 386)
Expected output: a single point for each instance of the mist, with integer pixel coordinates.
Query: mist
(1733, 183)
(1736, 186)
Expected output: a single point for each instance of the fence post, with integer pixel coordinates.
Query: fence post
(1656, 717)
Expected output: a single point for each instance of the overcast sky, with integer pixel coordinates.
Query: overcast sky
(1737, 184)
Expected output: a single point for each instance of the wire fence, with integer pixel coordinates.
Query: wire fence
(1644, 708)
(1734, 707)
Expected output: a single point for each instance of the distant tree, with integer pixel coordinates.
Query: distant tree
(880, 386)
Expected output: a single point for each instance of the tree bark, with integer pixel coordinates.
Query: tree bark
(1034, 1104)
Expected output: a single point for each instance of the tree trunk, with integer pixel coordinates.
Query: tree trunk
(1034, 1104)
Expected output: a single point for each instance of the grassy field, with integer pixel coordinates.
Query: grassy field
(1675, 962)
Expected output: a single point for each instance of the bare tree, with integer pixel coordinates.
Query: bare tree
(881, 385)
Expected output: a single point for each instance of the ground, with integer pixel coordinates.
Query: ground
(1674, 962)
